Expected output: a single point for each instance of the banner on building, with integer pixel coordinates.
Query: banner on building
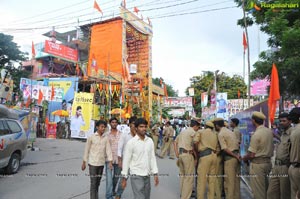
(222, 105)
(191, 92)
(259, 87)
(204, 99)
(61, 51)
(82, 110)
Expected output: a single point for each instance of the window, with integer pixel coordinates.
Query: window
(3, 128)
(14, 126)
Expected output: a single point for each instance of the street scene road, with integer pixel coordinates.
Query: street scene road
(53, 172)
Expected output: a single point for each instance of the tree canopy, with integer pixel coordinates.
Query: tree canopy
(283, 27)
(170, 89)
(204, 83)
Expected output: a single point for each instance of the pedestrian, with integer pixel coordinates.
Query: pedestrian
(230, 148)
(155, 135)
(168, 133)
(294, 169)
(183, 146)
(112, 175)
(139, 159)
(205, 143)
(279, 184)
(259, 153)
(126, 136)
(96, 149)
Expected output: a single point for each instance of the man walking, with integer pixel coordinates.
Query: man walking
(183, 146)
(259, 153)
(96, 149)
(168, 133)
(139, 158)
(112, 175)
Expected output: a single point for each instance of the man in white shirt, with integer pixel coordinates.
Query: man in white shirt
(139, 157)
(76, 122)
(125, 137)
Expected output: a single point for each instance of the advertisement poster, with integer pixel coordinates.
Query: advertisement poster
(51, 130)
(82, 110)
(29, 87)
(204, 99)
(222, 105)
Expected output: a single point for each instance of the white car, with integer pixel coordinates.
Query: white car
(13, 142)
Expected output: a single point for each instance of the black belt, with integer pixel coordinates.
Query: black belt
(182, 150)
(228, 157)
(295, 164)
(205, 152)
(282, 162)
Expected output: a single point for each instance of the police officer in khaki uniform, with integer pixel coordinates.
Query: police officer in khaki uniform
(155, 134)
(279, 184)
(183, 146)
(219, 181)
(294, 170)
(230, 148)
(234, 122)
(168, 135)
(259, 153)
(205, 143)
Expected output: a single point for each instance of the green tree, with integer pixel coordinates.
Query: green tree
(170, 89)
(10, 55)
(204, 83)
(283, 28)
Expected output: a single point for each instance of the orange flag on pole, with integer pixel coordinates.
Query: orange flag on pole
(52, 92)
(239, 94)
(32, 50)
(165, 91)
(40, 99)
(136, 10)
(96, 6)
(245, 44)
(274, 93)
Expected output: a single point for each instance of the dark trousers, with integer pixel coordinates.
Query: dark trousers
(141, 187)
(95, 176)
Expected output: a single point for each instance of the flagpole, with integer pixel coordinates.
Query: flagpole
(243, 106)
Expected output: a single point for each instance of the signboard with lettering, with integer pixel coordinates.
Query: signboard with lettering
(61, 51)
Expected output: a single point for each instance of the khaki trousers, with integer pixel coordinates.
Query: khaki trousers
(231, 179)
(165, 148)
(155, 141)
(172, 151)
(219, 178)
(294, 174)
(186, 174)
(279, 183)
(206, 172)
(259, 179)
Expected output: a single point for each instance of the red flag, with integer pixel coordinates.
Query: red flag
(136, 10)
(245, 44)
(40, 99)
(52, 93)
(274, 93)
(32, 50)
(166, 91)
(239, 94)
(28, 102)
(96, 6)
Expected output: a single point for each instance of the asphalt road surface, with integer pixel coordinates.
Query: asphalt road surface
(54, 172)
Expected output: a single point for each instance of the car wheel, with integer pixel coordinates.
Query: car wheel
(14, 164)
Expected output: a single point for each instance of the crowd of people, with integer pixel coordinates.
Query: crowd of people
(208, 157)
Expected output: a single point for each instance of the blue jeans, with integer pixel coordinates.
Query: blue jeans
(112, 177)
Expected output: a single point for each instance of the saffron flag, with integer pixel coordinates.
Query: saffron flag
(165, 91)
(239, 94)
(28, 102)
(52, 93)
(32, 50)
(274, 93)
(96, 6)
(41, 95)
(245, 44)
(136, 10)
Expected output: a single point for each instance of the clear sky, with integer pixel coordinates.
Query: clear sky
(183, 45)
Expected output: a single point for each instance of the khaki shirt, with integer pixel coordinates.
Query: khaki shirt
(261, 142)
(185, 139)
(168, 131)
(96, 149)
(238, 134)
(295, 144)
(283, 149)
(206, 138)
(155, 130)
(227, 140)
